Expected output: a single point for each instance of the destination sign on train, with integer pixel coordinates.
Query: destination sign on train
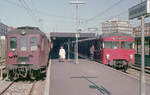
(139, 10)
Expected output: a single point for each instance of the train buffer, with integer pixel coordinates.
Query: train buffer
(90, 78)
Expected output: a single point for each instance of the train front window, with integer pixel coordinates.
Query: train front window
(33, 43)
(115, 45)
(107, 44)
(13, 43)
(127, 45)
(23, 44)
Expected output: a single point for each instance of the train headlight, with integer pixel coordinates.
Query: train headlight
(107, 56)
(131, 56)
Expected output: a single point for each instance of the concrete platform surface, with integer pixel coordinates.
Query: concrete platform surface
(90, 78)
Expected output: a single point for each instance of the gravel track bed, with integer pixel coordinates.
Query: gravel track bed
(23, 87)
(135, 73)
(19, 88)
(39, 88)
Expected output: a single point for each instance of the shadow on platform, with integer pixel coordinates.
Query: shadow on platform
(101, 89)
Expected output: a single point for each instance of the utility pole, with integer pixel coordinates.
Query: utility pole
(77, 3)
(68, 49)
(141, 10)
(142, 73)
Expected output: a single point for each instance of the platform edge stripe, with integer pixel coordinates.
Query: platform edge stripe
(47, 85)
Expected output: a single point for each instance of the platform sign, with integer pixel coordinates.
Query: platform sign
(139, 10)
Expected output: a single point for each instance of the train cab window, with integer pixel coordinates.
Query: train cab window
(33, 43)
(107, 44)
(23, 44)
(13, 43)
(127, 45)
(115, 45)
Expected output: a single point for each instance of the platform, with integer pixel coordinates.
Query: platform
(90, 78)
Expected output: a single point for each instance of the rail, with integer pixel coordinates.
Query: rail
(31, 90)
(6, 88)
(138, 67)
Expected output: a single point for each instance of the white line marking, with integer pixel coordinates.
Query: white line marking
(47, 85)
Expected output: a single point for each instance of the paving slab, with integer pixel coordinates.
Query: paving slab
(90, 78)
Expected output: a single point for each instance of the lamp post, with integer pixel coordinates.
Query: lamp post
(77, 3)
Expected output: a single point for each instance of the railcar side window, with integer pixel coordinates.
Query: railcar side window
(107, 44)
(130, 45)
(13, 43)
(23, 44)
(33, 43)
(42, 44)
(146, 47)
(115, 45)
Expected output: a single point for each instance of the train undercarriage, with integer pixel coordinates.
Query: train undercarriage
(120, 64)
(26, 71)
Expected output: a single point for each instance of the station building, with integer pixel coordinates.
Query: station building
(137, 30)
(3, 31)
(138, 47)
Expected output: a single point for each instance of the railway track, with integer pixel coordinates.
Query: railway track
(137, 67)
(18, 88)
(6, 88)
(31, 90)
(134, 71)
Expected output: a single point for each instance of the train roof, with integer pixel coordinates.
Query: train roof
(115, 34)
(27, 29)
(59, 34)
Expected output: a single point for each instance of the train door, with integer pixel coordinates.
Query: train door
(23, 51)
(34, 49)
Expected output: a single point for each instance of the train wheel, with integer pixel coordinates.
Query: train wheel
(32, 77)
(125, 68)
(10, 75)
(34, 74)
(16, 76)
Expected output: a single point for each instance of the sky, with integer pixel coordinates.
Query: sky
(59, 15)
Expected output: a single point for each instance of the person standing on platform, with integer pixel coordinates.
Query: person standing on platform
(62, 54)
(92, 49)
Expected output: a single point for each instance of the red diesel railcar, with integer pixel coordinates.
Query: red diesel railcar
(116, 50)
(27, 52)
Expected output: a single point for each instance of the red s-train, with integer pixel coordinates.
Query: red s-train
(116, 50)
(27, 52)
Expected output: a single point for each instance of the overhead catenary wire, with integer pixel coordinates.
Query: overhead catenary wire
(40, 12)
(119, 14)
(104, 11)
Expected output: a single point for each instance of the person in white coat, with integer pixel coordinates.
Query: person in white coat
(62, 54)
